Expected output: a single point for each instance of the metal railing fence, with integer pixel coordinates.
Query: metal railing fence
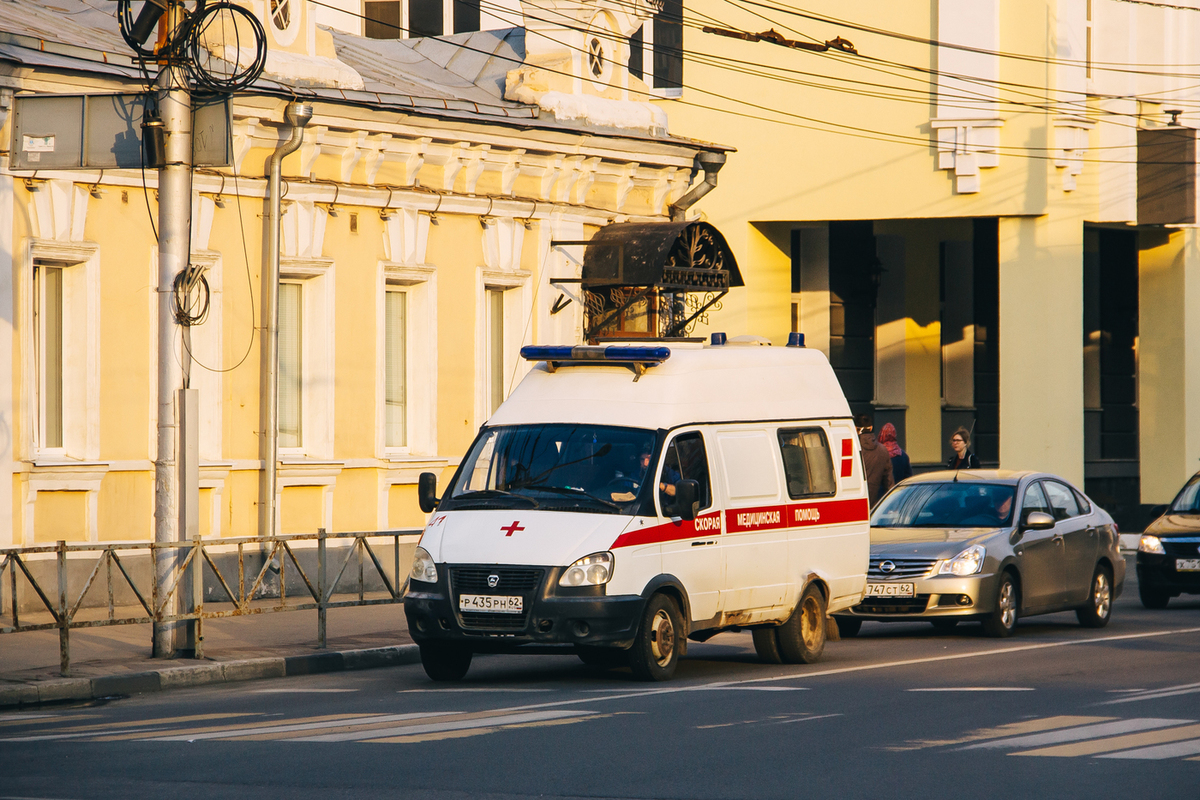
(190, 556)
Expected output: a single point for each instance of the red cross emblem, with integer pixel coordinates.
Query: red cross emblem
(511, 529)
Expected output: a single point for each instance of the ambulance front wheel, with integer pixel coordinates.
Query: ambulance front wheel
(655, 651)
(802, 637)
(445, 661)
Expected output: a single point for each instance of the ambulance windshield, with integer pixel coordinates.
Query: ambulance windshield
(561, 467)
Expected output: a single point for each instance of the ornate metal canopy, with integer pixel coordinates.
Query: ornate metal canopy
(654, 279)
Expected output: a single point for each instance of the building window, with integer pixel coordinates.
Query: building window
(425, 18)
(382, 20)
(495, 348)
(466, 16)
(396, 368)
(48, 351)
(656, 51)
(291, 384)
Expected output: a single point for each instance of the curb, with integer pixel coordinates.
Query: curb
(248, 669)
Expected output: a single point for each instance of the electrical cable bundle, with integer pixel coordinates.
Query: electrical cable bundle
(208, 43)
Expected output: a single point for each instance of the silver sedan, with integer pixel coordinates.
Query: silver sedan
(991, 546)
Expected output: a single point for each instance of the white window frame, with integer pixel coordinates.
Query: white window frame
(515, 286)
(317, 349)
(666, 93)
(81, 352)
(419, 283)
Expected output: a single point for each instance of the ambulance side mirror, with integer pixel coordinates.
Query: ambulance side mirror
(427, 491)
(687, 499)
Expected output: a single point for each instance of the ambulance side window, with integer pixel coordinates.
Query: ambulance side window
(807, 462)
(685, 459)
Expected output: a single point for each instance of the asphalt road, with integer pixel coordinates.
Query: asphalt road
(900, 711)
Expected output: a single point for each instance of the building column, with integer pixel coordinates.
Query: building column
(8, 432)
(1168, 361)
(891, 323)
(813, 257)
(1041, 344)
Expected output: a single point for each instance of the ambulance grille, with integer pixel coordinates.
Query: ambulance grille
(512, 580)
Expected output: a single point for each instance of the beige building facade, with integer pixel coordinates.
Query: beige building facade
(419, 233)
(945, 199)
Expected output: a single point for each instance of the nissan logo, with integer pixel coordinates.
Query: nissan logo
(887, 566)
(493, 581)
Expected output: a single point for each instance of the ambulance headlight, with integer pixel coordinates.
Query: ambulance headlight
(423, 568)
(593, 570)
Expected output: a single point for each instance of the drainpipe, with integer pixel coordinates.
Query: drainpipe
(711, 163)
(297, 115)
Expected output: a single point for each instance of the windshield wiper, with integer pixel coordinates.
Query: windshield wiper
(486, 494)
(541, 487)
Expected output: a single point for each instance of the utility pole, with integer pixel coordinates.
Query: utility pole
(174, 254)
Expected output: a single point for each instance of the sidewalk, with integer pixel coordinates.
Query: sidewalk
(117, 660)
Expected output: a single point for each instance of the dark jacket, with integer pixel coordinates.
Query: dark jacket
(901, 467)
(970, 461)
(877, 467)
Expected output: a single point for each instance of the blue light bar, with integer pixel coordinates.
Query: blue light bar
(611, 354)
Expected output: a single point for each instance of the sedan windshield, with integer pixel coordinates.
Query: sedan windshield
(1188, 501)
(946, 505)
(563, 467)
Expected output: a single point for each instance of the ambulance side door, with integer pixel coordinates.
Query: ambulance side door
(691, 551)
(756, 537)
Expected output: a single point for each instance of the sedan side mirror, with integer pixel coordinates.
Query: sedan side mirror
(687, 499)
(427, 491)
(1038, 521)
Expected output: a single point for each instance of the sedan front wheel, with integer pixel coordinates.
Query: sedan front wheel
(1003, 620)
(1099, 605)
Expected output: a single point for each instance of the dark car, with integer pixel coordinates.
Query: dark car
(989, 546)
(1168, 558)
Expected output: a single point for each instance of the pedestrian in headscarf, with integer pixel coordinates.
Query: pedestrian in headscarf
(901, 466)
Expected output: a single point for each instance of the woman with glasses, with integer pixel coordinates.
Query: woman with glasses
(963, 458)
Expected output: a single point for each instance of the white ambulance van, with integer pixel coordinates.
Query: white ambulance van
(629, 497)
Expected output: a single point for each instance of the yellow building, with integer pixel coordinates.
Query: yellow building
(945, 198)
(419, 229)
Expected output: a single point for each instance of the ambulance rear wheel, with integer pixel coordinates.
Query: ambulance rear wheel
(445, 661)
(802, 637)
(655, 652)
(767, 645)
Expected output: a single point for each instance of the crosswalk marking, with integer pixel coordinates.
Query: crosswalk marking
(289, 726)
(1126, 742)
(1079, 733)
(1160, 751)
(438, 727)
(1155, 694)
(1010, 729)
(973, 689)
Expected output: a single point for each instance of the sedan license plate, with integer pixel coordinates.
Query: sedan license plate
(891, 590)
(499, 604)
(1187, 565)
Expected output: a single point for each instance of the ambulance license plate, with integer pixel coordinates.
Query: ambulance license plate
(1187, 565)
(496, 603)
(891, 590)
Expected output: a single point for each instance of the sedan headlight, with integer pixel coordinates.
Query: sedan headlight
(1151, 544)
(968, 562)
(593, 570)
(423, 568)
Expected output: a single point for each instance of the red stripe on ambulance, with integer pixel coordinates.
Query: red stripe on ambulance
(745, 520)
(704, 525)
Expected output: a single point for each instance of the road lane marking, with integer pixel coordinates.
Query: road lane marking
(1159, 752)
(290, 726)
(1127, 742)
(1006, 730)
(481, 690)
(1077, 734)
(9, 719)
(749, 689)
(439, 727)
(1154, 694)
(973, 689)
(806, 719)
(302, 691)
(105, 727)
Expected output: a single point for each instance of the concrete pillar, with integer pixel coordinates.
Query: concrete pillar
(922, 358)
(814, 287)
(891, 321)
(1041, 344)
(7, 397)
(1168, 361)
(766, 312)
